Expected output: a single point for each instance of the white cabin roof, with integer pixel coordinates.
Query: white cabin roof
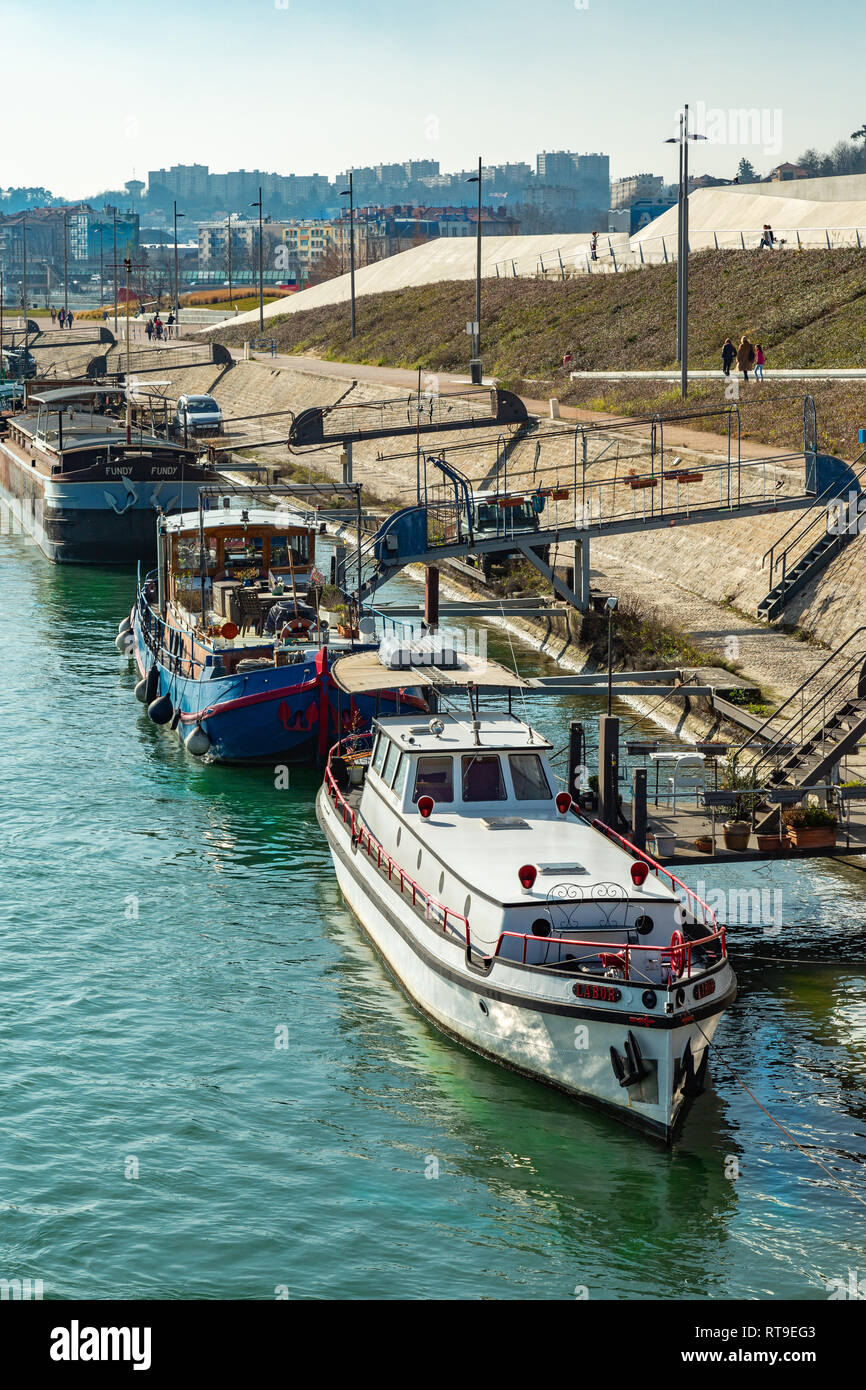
(229, 519)
(495, 732)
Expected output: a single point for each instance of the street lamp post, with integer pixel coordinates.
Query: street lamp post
(101, 291)
(176, 277)
(475, 364)
(230, 259)
(683, 248)
(24, 284)
(258, 204)
(66, 260)
(349, 193)
(114, 228)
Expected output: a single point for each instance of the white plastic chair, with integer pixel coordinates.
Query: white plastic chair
(689, 776)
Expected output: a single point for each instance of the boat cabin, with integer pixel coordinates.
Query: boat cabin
(246, 551)
(472, 810)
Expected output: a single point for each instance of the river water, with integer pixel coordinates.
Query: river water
(212, 1088)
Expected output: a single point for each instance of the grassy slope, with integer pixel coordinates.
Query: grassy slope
(807, 308)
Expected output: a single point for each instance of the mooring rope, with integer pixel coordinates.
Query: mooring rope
(812, 1157)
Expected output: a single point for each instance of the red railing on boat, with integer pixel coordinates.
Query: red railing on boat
(678, 955)
(698, 908)
(362, 837)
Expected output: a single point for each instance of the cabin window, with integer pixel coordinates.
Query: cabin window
(189, 554)
(390, 762)
(243, 552)
(281, 545)
(482, 778)
(529, 777)
(379, 751)
(402, 771)
(435, 777)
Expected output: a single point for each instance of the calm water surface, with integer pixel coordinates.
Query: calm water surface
(166, 923)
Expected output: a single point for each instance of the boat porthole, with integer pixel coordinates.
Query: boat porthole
(643, 925)
(467, 905)
(442, 881)
(541, 927)
(483, 1007)
(681, 998)
(649, 998)
(399, 833)
(420, 852)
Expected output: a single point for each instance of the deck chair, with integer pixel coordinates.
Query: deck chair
(250, 611)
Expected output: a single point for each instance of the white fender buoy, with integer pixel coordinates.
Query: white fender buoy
(124, 642)
(198, 742)
(123, 627)
(141, 690)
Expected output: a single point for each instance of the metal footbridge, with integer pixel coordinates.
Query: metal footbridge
(439, 526)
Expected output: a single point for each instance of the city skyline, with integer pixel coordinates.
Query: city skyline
(304, 89)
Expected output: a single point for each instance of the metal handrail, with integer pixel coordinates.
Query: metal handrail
(779, 735)
(621, 951)
(707, 915)
(361, 833)
(812, 517)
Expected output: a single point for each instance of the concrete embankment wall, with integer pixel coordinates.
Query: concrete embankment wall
(719, 562)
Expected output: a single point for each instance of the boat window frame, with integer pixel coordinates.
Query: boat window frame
(401, 773)
(379, 746)
(387, 774)
(417, 792)
(529, 753)
(477, 757)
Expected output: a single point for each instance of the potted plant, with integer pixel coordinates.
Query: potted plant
(810, 825)
(704, 844)
(740, 782)
(770, 838)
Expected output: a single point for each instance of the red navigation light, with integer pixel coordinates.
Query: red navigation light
(563, 803)
(527, 874)
(639, 873)
(425, 806)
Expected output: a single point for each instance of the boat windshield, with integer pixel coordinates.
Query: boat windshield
(482, 778)
(529, 777)
(434, 778)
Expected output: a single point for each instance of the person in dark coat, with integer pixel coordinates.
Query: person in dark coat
(729, 352)
(745, 357)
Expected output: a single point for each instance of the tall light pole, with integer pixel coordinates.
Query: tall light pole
(350, 193)
(114, 225)
(683, 248)
(66, 260)
(475, 364)
(258, 204)
(24, 285)
(127, 263)
(176, 278)
(230, 259)
(101, 292)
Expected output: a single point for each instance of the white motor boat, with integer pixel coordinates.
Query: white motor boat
(541, 940)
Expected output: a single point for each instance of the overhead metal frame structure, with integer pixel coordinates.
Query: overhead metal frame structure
(415, 412)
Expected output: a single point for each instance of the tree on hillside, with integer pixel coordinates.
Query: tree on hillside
(746, 172)
(859, 134)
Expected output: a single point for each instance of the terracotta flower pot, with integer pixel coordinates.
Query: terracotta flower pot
(812, 836)
(737, 834)
(704, 844)
(770, 844)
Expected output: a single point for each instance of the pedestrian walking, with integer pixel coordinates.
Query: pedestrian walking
(69, 318)
(745, 357)
(148, 328)
(593, 246)
(61, 315)
(729, 352)
(53, 316)
(157, 328)
(759, 362)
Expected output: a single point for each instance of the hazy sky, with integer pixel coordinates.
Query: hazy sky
(304, 86)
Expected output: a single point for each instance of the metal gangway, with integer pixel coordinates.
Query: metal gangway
(598, 496)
